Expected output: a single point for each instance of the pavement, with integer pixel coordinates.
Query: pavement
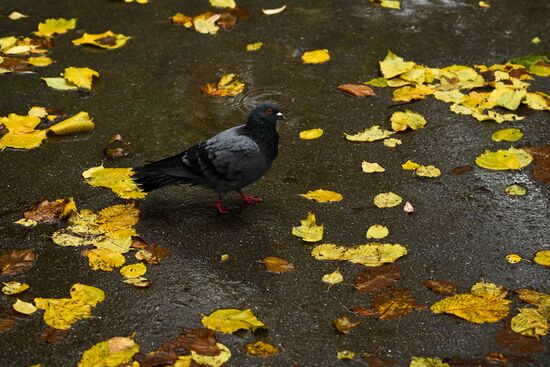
(149, 92)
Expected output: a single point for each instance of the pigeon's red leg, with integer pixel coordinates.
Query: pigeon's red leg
(250, 199)
(219, 206)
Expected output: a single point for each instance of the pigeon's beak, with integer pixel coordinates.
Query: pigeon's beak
(280, 116)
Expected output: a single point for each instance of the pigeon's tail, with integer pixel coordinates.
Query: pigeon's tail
(155, 175)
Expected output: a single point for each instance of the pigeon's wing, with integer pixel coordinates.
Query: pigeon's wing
(228, 159)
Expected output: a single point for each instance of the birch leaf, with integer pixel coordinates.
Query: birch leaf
(323, 196)
(229, 320)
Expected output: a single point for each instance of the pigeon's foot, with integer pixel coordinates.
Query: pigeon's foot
(221, 209)
(250, 199)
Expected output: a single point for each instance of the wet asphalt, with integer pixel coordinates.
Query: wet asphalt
(149, 92)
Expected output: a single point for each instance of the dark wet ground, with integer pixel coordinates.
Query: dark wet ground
(149, 92)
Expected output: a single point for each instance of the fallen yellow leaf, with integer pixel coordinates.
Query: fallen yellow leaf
(529, 322)
(387, 200)
(311, 134)
(11, 288)
(370, 134)
(81, 77)
(59, 83)
(137, 282)
(333, 278)
(107, 40)
(345, 354)
(254, 46)
(535, 40)
(410, 165)
(133, 270)
(513, 258)
(534, 297)
(78, 123)
(428, 171)
(15, 15)
(109, 353)
(543, 258)
(483, 4)
(39, 61)
(308, 230)
(409, 93)
(401, 120)
(223, 3)
(212, 361)
(117, 179)
(24, 140)
(394, 65)
(25, 308)
(377, 231)
(323, 196)
(510, 134)
(504, 159)
(428, 362)
(392, 142)
(104, 259)
(180, 18)
(260, 348)
(206, 26)
(229, 85)
(229, 320)
(474, 308)
(515, 190)
(372, 254)
(487, 289)
(316, 56)
(55, 26)
(369, 167)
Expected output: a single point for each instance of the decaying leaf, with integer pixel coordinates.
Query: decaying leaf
(53, 335)
(104, 259)
(107, 40)
(323, 196)
(441, 286)
(52, 26)
(140, 282)
(117, 179)
(206, 24)
(474, 308)
(133, 270)
(518, 343)
(345, 354)
(260, 349)
(25, 308)
(543, 257)
(408, 208)
(273, 11)
(16, 261)
(541, 155)
(316, 56)
(515, 190)
(510, 134)
(377, 278)
(151, 254)
(47, 211)
(81, 77)
(377, 231)
(369, 167)
(513, 258)
(529, 322)
(428, 362)
(112, 352)
(370, 134)
(212, 361)
(184, 20)
(229, 320)
(391, 304)
(357, 90)
(333, 278)
(61, 313)
(387, 200)
(311, 134)
(308, 230)
(510, 159)
(533, 297)
(372, 254)
(276, 265)
(488, 290)
(392, 142)
(6, 323)
(228, 85)
(344, 325)
(11, 288)
(110, 228)
(401, 120)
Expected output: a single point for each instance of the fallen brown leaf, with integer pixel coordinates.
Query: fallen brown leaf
(200, 340)
(440, 286)
(362, 311)
(226, 21)
(156, 359)
(6, 323)
(517, 343)
(47, 211)
(357, 90)
(374, 279)
(151, 254)
(374, 360)
(394, 303)
(276, 265)
(53, 335)
(541, 155)
(462, 169)
(16, 261)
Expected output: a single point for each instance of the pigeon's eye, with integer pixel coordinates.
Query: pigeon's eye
(269, 110)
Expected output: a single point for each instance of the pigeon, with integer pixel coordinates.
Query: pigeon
(228, 161)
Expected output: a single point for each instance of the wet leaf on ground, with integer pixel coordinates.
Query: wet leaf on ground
(228, 85)
(260, 349)
(529, 322)
(16, 261)
(108, 40)
(518, 343)
(375, 279)
(428, 362)
(474, 308)
(541, 155)
(543, 258)
(112, 352)
(333, 278)
(51, 211)
(276, 265)
(104, 259)
(53, 335)
(316, 56)
(52, 26)
(25, 308)
(372, 254)
(370, 134)
(533, 297)
(119, 180)
(323, 196)
(401, 120)
(391, 304)
(441, 286)
(509, 159)
(387, 200)
(345, 325)
(311, 134)
(229, 320)
(81, 77)
(13, 287)
(357, 90)
(377, 231)
(308, 230)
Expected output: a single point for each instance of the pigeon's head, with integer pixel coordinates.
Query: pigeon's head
(266, 112)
